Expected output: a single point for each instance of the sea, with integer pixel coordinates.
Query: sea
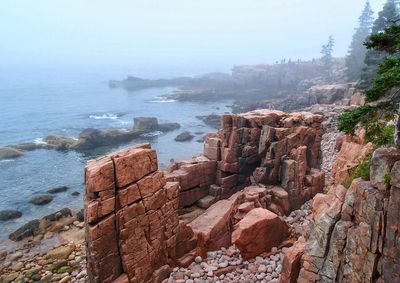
(65, 101)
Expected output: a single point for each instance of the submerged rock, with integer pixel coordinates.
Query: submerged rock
(184, 136)
(31, 228)
(9, 214)
(167, 127)
(75, 194)
(59, 142)
(57, 190)
(212, 120)
(8, 152)
(41, 200)
(65, 212)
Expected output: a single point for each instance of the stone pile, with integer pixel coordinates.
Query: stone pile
(354, 232)
(64, 262)
(228, 265)
(195, 177)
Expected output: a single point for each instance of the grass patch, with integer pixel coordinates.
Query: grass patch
(361, 171)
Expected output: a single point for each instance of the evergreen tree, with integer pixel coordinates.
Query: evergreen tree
(357, 50)
(387, 17)
(385, 92)
(326, 51)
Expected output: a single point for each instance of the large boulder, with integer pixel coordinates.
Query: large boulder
(258, 232)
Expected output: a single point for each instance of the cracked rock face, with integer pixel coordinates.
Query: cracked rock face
(353, 235)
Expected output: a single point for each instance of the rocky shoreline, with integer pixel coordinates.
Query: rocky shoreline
(224, 265)
(91, 138)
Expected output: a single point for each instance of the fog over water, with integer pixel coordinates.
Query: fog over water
(174, 37)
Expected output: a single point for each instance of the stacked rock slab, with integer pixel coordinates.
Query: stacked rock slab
(354, 233)
(132, 225)
(195, 177)
(268, 147)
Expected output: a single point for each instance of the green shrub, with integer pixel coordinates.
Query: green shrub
(361, 171)
(349, 119)
(387, 178)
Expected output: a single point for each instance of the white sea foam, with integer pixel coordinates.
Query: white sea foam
(7, 160)
(162, 99)
(107, 116)
(39, 141)
(151, 134)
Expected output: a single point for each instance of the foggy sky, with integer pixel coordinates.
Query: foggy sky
(211, 34)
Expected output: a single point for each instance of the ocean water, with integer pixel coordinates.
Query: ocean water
(37, 103)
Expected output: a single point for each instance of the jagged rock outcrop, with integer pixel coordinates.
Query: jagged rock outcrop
(259, 147)
(262, 159)
(353, 236)
(132, 226)
(283, 149)
(352, 151)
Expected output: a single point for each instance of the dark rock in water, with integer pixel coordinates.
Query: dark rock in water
(92, 138)
(75, 194)
(30, 146)
(9, 214)
(80, 215)
(8, 152)
(57, 190)
(31, 228)
(185, 136)
(212, 120)
(167, 127)
(59, 142)
(65, 212)
(199, 133)
(146, 124)
(41, 200)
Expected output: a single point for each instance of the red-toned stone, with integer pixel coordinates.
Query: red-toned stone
(128, 195)
(133, 163)
(213, 228)
(291, 262)
(258, 232)
(99, 175)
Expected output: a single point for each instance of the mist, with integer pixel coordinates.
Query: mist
(176, 36)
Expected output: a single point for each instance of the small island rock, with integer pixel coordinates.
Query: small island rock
(184, 136)
(41, 200)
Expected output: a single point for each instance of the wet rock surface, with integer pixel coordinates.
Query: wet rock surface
(184, 136)
(41, 200)
(9, 214)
